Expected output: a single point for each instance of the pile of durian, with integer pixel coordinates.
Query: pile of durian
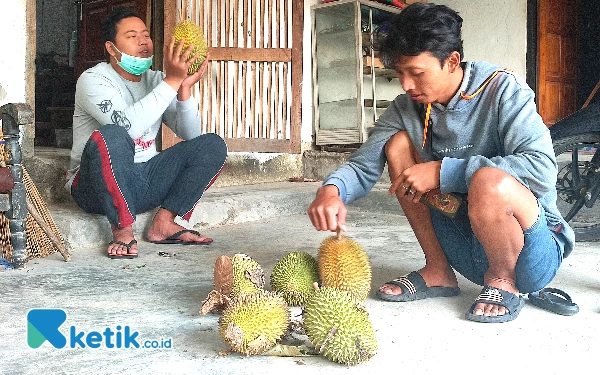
(331, 292)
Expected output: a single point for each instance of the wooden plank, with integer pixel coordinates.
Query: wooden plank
(246, 21)
(251, 145)
(253, 70)
(236, 69)
(296, 105)
(257, 145)
(251, 54)
(287, 26)
(244, 111)
(269, 99)
(209, 73)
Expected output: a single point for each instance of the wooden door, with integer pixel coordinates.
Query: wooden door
(91, 49)
(251, 95)
(557, 59)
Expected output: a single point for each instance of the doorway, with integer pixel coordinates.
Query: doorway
(62, 54)
(563, 60)
(56, 22)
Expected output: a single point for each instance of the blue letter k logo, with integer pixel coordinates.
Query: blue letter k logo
(42, 325)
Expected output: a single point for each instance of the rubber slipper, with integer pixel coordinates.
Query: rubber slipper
(174, 239)
(414, 288)
(128, 246)
(492, 295)
(554, 300)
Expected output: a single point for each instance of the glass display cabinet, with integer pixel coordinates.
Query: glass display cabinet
(351, 86)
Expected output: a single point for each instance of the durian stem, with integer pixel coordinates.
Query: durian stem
(316, 286)
(339, 234)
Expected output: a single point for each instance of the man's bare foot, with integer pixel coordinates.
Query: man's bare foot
(432, 277)
(490, 309)
(122, 236)
(164, 226)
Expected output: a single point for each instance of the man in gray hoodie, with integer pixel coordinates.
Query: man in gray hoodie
(469, 129)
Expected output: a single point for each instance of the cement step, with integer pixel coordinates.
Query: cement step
(220, 206)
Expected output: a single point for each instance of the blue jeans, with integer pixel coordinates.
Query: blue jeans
(536, 266)
(111, 184)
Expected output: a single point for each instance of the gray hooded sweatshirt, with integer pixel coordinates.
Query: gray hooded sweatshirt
(497, 126)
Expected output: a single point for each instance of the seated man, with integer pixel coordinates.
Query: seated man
(470, 129)
(116, 169)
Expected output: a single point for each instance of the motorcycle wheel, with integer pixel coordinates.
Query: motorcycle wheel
(576, 154)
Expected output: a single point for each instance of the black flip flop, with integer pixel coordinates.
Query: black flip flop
(128, 246)
(554, 300)
(174, 239)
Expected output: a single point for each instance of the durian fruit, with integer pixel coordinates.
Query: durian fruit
(191, 34)
(253, 323)
(343, 264)
(248, 276)
(294, 275)
(339, 327)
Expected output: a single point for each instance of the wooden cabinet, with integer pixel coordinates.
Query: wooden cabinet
(351, 87)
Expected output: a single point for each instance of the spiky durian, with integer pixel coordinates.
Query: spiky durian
(248, 275)
(339, 327)
(191, 34)
(293, 276)
(252, 323)
(343, 264)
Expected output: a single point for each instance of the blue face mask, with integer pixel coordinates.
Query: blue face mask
(132, 64)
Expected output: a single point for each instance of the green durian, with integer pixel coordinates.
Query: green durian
(343, 264)
(248, 276)
(293, 277)
(253, 323)
(339, 327)
(191, 34)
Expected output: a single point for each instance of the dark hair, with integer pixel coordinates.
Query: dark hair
(421, 27)
(109, 24)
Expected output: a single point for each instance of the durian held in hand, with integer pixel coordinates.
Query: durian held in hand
(293, 277)
(344, 265)
(191, 33)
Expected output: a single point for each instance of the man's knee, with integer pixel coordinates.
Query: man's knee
(113, 130)
(108, 137)
(400, 151)
(399, 143)
(216, 146)
(490, 183)
(113, 135)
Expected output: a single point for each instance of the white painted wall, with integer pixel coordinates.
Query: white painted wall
(493, 30)
(13, 46)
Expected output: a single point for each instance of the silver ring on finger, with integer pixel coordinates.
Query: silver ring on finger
(404, 187)
(410, 192)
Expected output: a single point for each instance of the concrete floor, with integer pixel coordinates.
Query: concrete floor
(160, 297)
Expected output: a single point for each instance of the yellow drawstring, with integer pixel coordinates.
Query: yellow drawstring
(427, 113)
(480, 89)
